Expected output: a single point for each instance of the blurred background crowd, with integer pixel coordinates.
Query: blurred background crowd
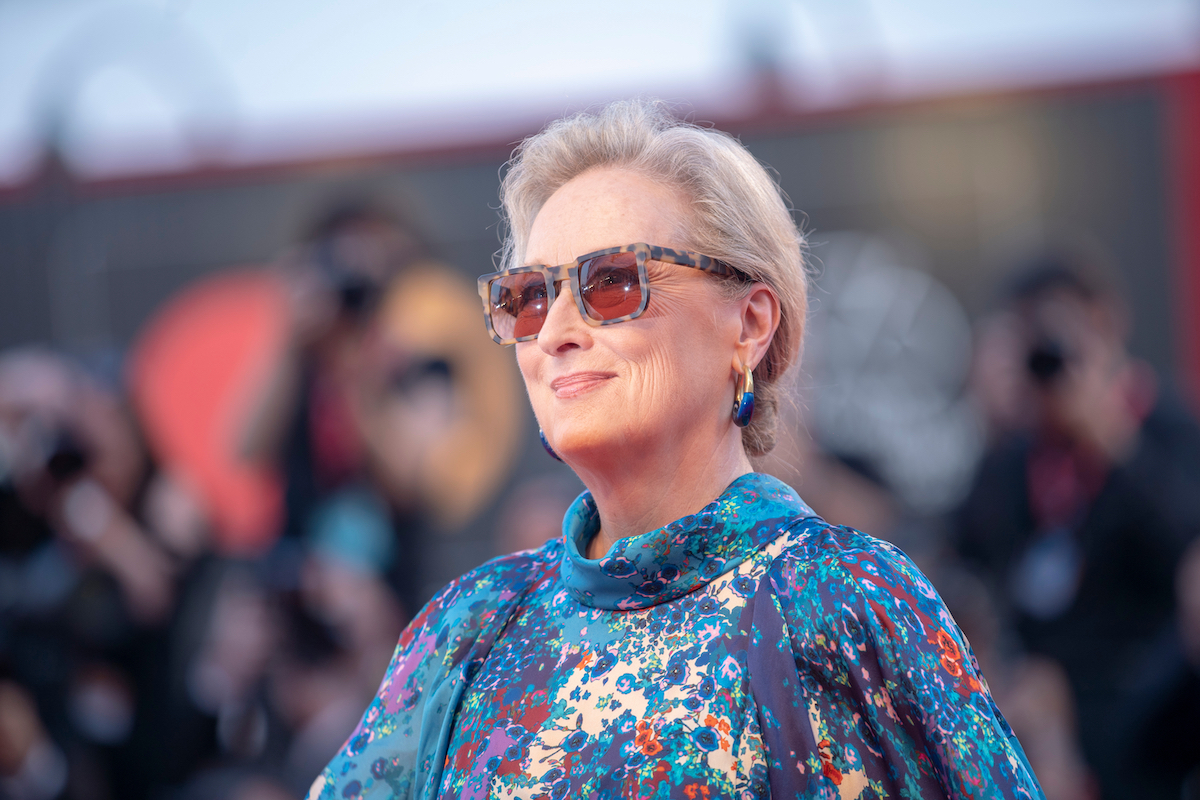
(250, 419)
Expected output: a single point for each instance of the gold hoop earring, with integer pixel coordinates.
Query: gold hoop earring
(743, 399)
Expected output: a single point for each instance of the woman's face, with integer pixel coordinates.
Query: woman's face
(658, 385)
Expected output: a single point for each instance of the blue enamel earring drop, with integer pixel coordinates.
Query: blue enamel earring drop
(743, 399)
(554, 455)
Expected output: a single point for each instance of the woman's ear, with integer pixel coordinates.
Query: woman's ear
(759, 319)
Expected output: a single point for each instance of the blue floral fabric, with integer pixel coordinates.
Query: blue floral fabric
(749, 651)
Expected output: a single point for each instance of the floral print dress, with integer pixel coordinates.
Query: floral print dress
(748, 651)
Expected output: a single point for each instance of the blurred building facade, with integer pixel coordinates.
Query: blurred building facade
(975, 182)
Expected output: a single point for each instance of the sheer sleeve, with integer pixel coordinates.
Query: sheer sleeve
(866, 686)
(398, 748)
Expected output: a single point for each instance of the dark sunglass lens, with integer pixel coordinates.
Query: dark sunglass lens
(609, 285)
(518, 305)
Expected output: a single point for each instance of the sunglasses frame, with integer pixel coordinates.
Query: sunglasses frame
(570, 272)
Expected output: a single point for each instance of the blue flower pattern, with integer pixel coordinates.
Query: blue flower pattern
(748, 651)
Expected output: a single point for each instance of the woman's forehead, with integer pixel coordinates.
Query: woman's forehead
(605, 208)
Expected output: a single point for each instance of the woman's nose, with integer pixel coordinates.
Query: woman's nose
(564, 328)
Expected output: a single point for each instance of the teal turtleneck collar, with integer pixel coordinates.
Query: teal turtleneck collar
(642, 571)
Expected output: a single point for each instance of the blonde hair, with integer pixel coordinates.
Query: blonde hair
(739, 214)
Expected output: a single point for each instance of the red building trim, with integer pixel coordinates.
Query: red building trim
(1183, 172)
(496, 142)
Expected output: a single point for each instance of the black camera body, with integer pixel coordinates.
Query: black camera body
(357, 293)
(66, 456)
(1046, 360)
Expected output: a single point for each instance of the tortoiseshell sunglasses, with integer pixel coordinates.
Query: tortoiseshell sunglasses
(609, 286)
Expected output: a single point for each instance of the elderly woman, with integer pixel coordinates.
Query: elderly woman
(697, 631)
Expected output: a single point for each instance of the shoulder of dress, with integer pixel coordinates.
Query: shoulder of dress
(472, 597)
(814, 556)
(515, 567)
(460, 615)
(810, 539)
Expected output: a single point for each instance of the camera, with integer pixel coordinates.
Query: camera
(356, 291)
(66, 456)
(1046, 361)
(38, 447)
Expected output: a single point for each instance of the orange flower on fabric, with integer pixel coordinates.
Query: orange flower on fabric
(827, 768)
(951, 657)
(647, 740)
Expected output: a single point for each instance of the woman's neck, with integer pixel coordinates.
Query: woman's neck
(639, 494)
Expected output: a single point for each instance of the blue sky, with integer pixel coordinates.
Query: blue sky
(158, 85)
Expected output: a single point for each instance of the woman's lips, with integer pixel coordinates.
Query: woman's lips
(577, 383)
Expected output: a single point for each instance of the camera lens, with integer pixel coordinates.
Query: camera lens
(356, 293)
(1046, 361)
(67, 459)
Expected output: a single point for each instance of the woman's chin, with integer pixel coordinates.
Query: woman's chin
(584, 446)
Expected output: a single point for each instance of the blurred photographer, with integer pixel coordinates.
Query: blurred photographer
(305, 413)
(70, 459)
(307, 416)
(1081, 510)
(86, 588)
(383, 390)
